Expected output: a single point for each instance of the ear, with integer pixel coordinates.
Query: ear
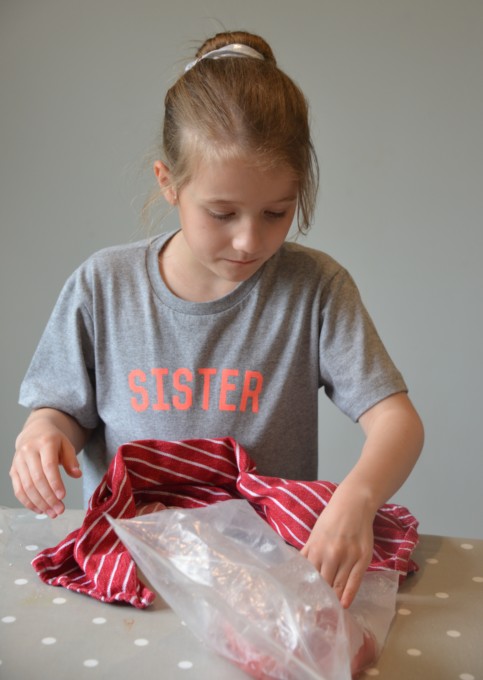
(163, 178)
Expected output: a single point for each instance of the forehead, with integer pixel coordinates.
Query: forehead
(217, 178)
(200, 152)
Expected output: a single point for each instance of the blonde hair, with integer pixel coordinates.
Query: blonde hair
(240, 107)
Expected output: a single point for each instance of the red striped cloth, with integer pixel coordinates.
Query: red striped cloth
(150, 475)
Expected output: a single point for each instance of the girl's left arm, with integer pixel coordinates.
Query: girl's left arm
(340, 545)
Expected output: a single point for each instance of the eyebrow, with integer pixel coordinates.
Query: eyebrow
(285, 199)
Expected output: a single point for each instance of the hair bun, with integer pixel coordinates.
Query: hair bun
(230, 37)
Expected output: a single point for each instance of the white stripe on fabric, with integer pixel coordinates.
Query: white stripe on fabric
(315, 494)
(299, 500)
(294, 537)
(56, 551)
(106, 533)
(218, 456)
(280, 505)
(113, 574)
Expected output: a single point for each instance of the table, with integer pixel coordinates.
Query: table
(57, 634)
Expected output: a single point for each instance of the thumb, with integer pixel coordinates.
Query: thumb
(69, 460)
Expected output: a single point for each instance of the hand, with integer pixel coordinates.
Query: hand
(340, 546)
(342, 540)
(41, 448)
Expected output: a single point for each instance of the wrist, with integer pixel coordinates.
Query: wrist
(57, 421)
(362, 498)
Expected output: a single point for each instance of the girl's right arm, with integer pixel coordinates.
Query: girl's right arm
(49, 438)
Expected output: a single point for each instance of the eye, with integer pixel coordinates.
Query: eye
(275, 215)
(220, 216)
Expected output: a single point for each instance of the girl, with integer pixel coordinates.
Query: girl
(222, 328)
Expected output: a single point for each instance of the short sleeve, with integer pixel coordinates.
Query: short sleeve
(61, 374)
(356, 370)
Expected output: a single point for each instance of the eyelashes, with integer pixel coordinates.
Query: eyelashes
(224, 217)
(220, 216)
(273, 215)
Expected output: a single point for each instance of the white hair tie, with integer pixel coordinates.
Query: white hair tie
(234, 50)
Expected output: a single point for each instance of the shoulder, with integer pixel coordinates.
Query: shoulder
(111, 272)
(299, 255)
(114, 256)
(310, 264)
(313, 275)
(118, 262)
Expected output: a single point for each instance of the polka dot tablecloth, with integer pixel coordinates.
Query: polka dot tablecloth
(437, 632)
(54, 633)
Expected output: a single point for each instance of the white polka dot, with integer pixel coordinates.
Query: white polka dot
(467, 546)
(477, 579)
(59, 600)
(372, 672)
(99, 620)
(91, 663)
(31, 547)
(404, 612)
(20, 581)
(442, 596)
(141, 642)
(453, 633)
(432, 560)
(8, 619)
(414, 652)
(49, 641)
(467, 676)
(185, 664)
(41, 516)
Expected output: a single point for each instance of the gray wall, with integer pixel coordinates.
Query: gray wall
(396, 90)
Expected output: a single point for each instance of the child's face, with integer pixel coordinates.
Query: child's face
(235, 216)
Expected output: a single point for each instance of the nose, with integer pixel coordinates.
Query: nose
(247, 238)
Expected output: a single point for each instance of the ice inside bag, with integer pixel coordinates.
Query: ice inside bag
(252, 598)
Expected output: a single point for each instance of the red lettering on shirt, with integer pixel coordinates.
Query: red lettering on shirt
(143, 404)
(226, 389)
(206, 373)
(159, 374)
(227, 386)
(186, 375)
(252, 387)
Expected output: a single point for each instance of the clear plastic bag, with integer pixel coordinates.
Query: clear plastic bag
(252, 598)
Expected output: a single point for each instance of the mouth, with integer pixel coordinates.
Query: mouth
(242, 263)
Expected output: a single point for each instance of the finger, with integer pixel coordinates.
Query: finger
(42, 481)
(49, 481)
(352, 585)
(330, 571)
(68, 460)
(20, 493)
(329, 565)
(340, 580)
(32, 485)
(312, 556)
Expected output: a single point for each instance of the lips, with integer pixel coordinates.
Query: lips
(241, 262)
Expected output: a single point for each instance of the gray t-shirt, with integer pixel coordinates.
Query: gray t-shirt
(125, 356)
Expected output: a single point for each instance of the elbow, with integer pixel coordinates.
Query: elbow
(414, 431)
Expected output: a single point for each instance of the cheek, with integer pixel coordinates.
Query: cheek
(204, 237)
(281, 233)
